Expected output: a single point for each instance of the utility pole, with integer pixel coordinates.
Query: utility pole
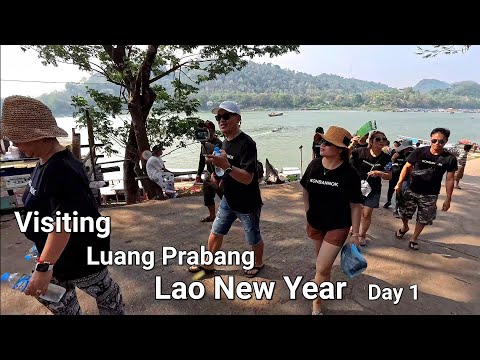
(91, 143)
(301, 160)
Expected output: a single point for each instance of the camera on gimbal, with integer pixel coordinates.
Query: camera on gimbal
(202, 134)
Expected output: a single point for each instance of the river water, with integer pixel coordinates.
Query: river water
(279, 138)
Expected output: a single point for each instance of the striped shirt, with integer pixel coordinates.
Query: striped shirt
(462, 157)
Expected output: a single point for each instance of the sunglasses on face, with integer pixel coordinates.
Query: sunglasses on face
(441, 141)
(225, 116)
(326, 143)
(380, 139)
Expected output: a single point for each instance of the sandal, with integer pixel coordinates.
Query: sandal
(207, 219)
(362, 241)
(413, 245)
(251, 275)
(400, 234)
(317, 312)
(198, 268)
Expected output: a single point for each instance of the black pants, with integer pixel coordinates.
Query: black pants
(391, 185)
(209, 191)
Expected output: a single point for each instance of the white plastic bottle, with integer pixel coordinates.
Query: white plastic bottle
(219, 171)
(19, 281)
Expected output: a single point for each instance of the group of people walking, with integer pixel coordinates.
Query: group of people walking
(341, 188)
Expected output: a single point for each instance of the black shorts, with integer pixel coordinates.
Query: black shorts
(209, 191)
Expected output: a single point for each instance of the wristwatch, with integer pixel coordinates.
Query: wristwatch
(43, 266)
(228, 170)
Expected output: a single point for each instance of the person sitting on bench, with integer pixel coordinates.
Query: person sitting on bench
(157, 172)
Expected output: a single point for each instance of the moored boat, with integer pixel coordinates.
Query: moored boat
(275, 114)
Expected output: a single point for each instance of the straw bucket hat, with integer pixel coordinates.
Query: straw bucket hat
(25, 119)
(337, 136)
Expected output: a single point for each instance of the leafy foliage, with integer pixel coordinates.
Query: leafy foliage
(173, 75)
(135, 69)
(442, 49)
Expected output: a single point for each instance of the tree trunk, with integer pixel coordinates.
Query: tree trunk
(137, 143)
(132, 193)
(141, 101)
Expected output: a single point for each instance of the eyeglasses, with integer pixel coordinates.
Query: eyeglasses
(225, 116)
(441, 141)
(380, 139)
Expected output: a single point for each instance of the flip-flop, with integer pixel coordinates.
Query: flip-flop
(400, 234)
(362, 241)
(207, 219)
(413, 245)
(258, 268)
(198, 268)
(317, 312)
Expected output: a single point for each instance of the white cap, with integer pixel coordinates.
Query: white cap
(229, 106)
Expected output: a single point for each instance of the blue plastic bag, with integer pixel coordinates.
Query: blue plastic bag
(352, 261)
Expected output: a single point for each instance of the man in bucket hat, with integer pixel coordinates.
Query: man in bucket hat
(399, 157)
(59, 187)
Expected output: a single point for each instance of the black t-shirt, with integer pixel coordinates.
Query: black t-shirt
(363, 161)
(422, 158)
(399, 162)
(207, 149)
(316, 149)
(330, 195)
(242, 153)
(61, 184)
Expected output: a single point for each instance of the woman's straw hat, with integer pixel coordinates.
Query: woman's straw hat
(337, 136)
(25, 119)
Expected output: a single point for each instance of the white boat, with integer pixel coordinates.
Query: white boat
(294, 171)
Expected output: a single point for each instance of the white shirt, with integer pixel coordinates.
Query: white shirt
(155, 166)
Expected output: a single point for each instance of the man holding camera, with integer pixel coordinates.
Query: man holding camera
(209, 188)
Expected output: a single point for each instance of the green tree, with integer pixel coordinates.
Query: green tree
(156, 113)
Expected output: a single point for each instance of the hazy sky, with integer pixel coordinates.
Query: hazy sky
(393, 65)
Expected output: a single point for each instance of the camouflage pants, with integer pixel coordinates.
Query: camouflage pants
(426, 204)
(99, 285)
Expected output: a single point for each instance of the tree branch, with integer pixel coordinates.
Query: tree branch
(176, 67)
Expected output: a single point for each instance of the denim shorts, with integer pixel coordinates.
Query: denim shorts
(373, 200)
(226, 216)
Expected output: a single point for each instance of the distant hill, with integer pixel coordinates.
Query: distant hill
(466, 88)
(272, 79)
(268, 86)
(427, 85)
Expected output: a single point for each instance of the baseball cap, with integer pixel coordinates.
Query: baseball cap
(209, 124)
(229, 106)
(158, 147)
